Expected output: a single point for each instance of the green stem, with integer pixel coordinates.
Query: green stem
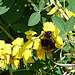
(10, 70)
(46, 7)
(7, 33)
(64, 4)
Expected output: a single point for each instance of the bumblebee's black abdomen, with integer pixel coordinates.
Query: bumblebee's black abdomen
(47, 44)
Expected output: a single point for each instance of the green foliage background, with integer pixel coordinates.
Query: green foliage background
(18, 16)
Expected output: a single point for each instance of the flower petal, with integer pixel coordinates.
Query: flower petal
(2, 44)
(28, 44)
(18, 41)
(27, 53)
(52, 11)
(7, 49)
(48, 26)
(59, 40)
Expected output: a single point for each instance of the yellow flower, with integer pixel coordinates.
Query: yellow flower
(18, 41)
(69, 13)
(27, 56)
(28, 44)
(17, 52)
(7, 49)
(52, 11)
(15, 62)
(56, 32)
(40, 53)
(59, 40)
(69, 33)
(48, 26)
(36, 44)
(29, 34)
(2, 64)
(2, 44)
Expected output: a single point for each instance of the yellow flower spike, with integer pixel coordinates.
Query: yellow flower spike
(48, 26)
(59, 40)
(7, 49)
(52, 11)
(26, 54)
(2, 44)
(18, 41)
(15, 50)
(28, 44)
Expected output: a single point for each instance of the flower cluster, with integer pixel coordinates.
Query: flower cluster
(13, 53)
(36, 41)
(18, 49)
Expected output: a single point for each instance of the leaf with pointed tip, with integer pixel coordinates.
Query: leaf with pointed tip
(59, 23)
(34, 19)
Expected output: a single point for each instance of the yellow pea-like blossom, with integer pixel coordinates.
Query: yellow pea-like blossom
(48, 26)
(18, 41)
(28, 44)
(40, 53)
(15, 50)
(69, 13)
(59, 40)
(7, 49)
(2, 44)
(52, 11)
(29, 34)
(27, 56)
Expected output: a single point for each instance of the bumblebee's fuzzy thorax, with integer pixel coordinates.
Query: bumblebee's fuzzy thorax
(47, 41)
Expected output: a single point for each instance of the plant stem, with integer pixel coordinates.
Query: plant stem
(64, 4)
(46, 7)
(7, 33)
(10, 70)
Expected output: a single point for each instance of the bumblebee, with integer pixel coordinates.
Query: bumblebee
(47, 41)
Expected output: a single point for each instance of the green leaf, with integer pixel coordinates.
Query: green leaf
(66, 48)
(71, 6)
(41, 4)
(69, 24)
(15, 12)
(59, 23)
(35, 7)
(22, 72)
(63, 35)
(5, 5)
(34, 19)
(3, 35)
(19, 28)
(37, 65)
